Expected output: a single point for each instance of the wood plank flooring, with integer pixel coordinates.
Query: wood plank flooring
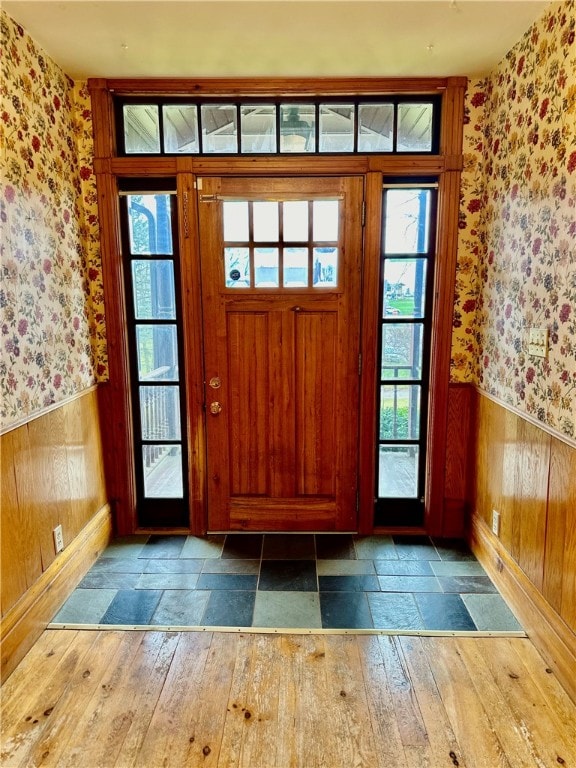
(175, 699)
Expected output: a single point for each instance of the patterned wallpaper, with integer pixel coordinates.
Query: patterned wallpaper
(517, 250)
(517, 247)
(51, 303)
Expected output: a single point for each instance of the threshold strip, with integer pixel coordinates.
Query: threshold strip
(289, 630)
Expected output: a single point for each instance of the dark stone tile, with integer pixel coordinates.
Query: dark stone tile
(354, 583)
(105, 580)
(443, 612)
(467, 584)
(173, 566)
(132, 606)
(415, 548)
(288, 576)
(227, 581)
(243, 546)
(284, 546)
(229, 609)
(403, 568)
(394, 611)
(453, 549)
(118, 565)
(331, 546)
(345, 610)
(163, 546)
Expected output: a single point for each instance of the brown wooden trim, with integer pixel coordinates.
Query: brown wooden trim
(453, 163)
(144, 166)
(104, 127)
(444, 282)
(26, 621)
(281, 165)
(369, 347)
(407, 165)
(442, 515)
(193, 346)
(270, 86)
(549, 633)
(458, 458)
(451, 134)
(115, 395)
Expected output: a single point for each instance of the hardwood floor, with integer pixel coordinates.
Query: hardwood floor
(111, 698)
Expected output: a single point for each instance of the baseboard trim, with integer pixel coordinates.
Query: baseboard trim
(29, 617)
(549, 633)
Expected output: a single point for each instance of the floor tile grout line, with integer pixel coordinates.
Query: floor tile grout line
(367, 593)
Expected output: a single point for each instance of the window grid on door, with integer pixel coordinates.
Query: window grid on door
(281, 245)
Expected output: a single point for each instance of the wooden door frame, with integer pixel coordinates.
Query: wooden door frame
(115, 397)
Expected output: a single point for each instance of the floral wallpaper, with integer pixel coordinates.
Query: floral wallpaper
(471, 240)
(518, 220)
(52, 336)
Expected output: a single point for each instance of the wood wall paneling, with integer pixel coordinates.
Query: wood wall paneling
(52, 473)
(560, 573)
(17, 530)
(50, 500)
(528, 475)
(530, 498)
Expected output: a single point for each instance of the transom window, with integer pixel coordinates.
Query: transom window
(290, 244)
(379, 124)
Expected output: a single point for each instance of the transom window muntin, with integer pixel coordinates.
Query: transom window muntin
(281, 245)
(383, 125)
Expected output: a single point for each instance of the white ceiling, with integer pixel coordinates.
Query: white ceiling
(227, 38)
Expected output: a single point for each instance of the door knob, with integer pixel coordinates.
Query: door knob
(215, 382)
(215, 408)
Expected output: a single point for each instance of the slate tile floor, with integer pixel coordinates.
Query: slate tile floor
(303, 581)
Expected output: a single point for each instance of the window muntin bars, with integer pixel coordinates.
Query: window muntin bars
(386, 125)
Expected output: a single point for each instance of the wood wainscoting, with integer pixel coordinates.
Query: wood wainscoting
(529, 476)
(52, 474)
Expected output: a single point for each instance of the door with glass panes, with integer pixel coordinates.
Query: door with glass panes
(281, 262)
(407, 266)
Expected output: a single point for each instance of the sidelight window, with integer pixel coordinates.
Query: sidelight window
(408, 247)
(154, 339)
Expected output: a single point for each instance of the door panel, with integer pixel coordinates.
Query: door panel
(248, 340)
(316, 376)
(281, 341)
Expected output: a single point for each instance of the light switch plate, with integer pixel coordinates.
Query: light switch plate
(538, 342)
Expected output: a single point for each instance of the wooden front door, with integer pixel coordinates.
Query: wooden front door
(281, 269)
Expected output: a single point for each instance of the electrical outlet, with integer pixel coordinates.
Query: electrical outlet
(58, 539)
(495, 522)
(538, 342)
